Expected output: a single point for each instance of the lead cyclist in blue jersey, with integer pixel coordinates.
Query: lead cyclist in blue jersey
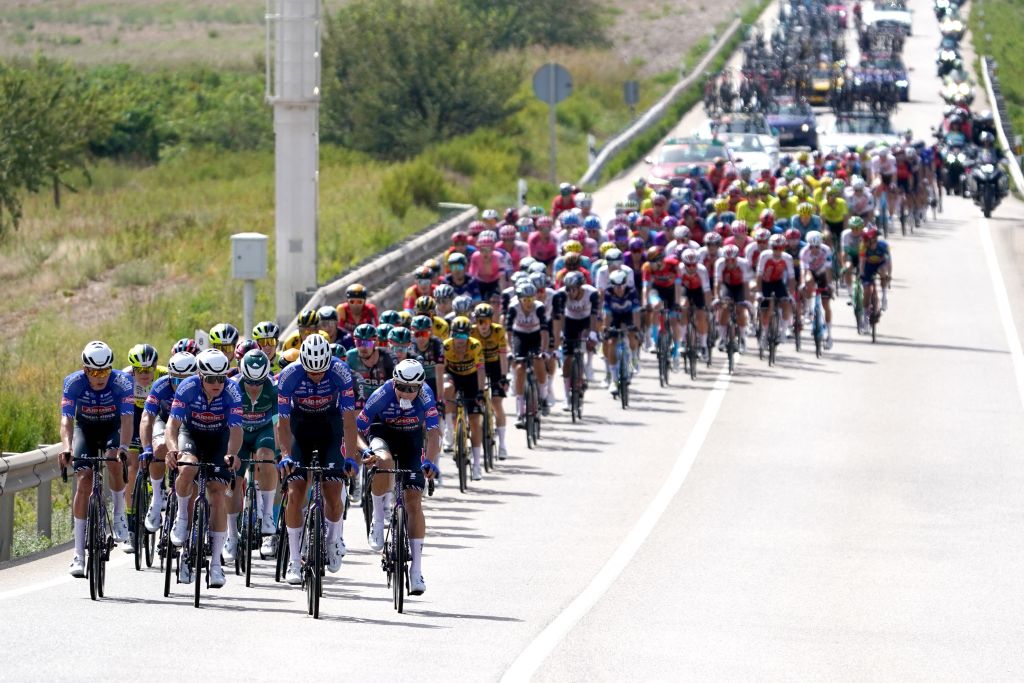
(394, 420)
(316, 411)
(205, 425)
(97, 411)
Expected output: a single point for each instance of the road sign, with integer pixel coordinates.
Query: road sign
(552, 83)
(631, 91)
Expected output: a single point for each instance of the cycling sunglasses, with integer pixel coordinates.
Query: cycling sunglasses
(365, 343)
(267, 342)
(215, 379)
(407, 388)
(403, 348)
(97, 373)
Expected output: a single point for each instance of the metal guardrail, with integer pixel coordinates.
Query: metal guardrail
(657, 111)
(1004, 131)
(20, 471)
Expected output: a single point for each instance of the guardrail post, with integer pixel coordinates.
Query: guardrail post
(6, 526)
(44, 509)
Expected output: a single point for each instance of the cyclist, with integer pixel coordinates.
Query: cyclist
(733, 274)
(444, 295)
(460, 280)
(224, 337)
(613, 261)
(329, 326)
(756, 247)
(205, 425)
(816, 264)
(805, 219)
(316, 412)
(487, 267)
(266, 335)
(875, 259)
(370, 364)
(859, 201)
(833, 211)
(578, 306)
(399, 343)
(565, 201)
(96, 412)
(423, 286)
(428, 349)
(527, 319)
(491, 336)
(426, 305)
(259, 411)
(621, 315)
(775, 278)
(308, 323)
(661, 290)
(143, 368)
(850, 244)
(356, 311)
(542, 245)
(696, 286)
(394, 422)
(465, 371)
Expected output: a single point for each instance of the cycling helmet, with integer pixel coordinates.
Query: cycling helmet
(444, 293)
(620, 233)
(658, 199)
(402, 319)
(640, 183)
(365, 331)
(569, 219)
(583, 200)
(487, 239)
(287, 357)
(526, 262)
(255, 366)
(142, 356)
(654, 254)
(592, 223)
(777, 242)
(573, 280)
(212, 362)
(572, 261)
(763, 188)
(690, 257)
(731, 251)
(433, 265)
(315, 354)
(456, 259)
(423, 273)
(338, 351)
(833, 192)
(613, 255)
(565, 189)
(460, 238)
(605, 248)
(537, 212)
(425, 305)
(856, 223)
(767, 218)
(721, 205)
(713, 239)
(986, 138)
(526, 290)
(489, 215)
(327, 314)
(389, 317)
(762, 234)
(97, 356)
(308, 317)
(681, 234)
(422, 322)
(635, 244)
(618, 278)
(857, 183)
(181, 365)
(739, 228)
(782, 191)
(543, 222)
(400, 336)
(223, 334)
(538, 267)
(462, 304)
(245, 346)
(483, 311)
(792, 235)
(383, 333)
(356, 291)
(578, 234)
(461, 327)
(507, 232)
(572, 247)
(870, 234)
(814, 238)
(409, 371)
(668, 223)
(805, 209)
(538, 280)
(185, 345)
(267, 329)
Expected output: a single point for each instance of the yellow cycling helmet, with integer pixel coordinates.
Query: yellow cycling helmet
(805, 209)
(605, 246)
(572, 247)
(800, 190)
(721, 204)
(782, 191)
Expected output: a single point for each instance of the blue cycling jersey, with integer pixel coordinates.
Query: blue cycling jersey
(383, 408)
(191, 406)
(334, 393)
(621, 305)
(81, 402)
(161, 394)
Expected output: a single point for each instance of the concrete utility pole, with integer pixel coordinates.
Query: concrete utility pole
(293, 89)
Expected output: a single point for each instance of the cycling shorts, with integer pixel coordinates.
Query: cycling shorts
(696, 298)
(469, 387)
(488, 289)
(495, 376)
(159, 427)
(776, 289)
(210, 448)
(667, 296)
(905, 184)
(322, 434)
(737, 293)
(618, 320)
(136, 421)
(886, 179)
(525, 343)
(821, 283)
(868, 274)
(89, 439)
(574, 331)
(406, 448)
(252, 442)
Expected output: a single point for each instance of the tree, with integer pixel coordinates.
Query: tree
(401, 74)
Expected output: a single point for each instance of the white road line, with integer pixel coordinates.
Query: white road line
(1003, 305)
(113, 563)
(537, 651)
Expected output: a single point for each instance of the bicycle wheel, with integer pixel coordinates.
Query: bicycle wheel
(140, 501)
(281, 561)
(818, 331)
(730, 346)
(461, 457)
(367, 502)
(314, 560)
(773, 336)
(903, 218)
(250, 535)
(399, 545)
(623, 378)
(574, 388)
(198, 549)
(531, 410)
(93, 560)
(166, 547)
(488, 439)
(664, 355)
(691, 347)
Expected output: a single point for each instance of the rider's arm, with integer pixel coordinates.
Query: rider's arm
(146, 429)
(67, 431)
(234, 441)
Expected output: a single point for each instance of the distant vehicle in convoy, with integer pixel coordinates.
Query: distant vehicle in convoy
(859, 130)
(793, 123)
(891, 68)
(747, 149)
(822, 78)
(888, 16)
(670, 164)
(730, 124)
(839, 11)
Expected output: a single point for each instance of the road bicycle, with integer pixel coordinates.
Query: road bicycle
(576, 383)
(818, 323)
(772, 335)
(462, 434)
(532, 398)
(692, 342)
(623, 366)
(663, 348)
(142, 495)
(314, 537)
(251, 528)
(395, 557)
(165, 549)
(98, 538)
(196, 549)
(490, 437)
(732, 336)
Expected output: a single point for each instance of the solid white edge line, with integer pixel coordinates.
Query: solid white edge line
(116, 561)
(1003, 305)
(530, 659)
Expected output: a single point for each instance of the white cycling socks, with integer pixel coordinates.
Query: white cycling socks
(520, 405)
(118, 497)
(476, 456)
(378, 508)
(416, 548)
(722, 331)
(266, 500)
(501, 437)
(232, 524)
(158, 490)
(334, 531)
(295, 544)
(80, 525)
(182, 507)
(216, 547)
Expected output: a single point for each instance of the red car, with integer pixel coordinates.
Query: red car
(671, 163)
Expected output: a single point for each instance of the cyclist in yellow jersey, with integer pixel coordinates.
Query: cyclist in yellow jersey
(833, 212)
(495, 348)
(142, 366)
(265, 334)
(308, 322)
(784, 205)
(749, 210)
(818, 194)
(464, 371)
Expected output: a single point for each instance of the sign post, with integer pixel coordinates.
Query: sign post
(631, 92)
(552, 84)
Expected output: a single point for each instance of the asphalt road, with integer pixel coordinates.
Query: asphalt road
(854, 517)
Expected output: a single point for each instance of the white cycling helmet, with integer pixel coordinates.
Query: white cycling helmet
(409, 371)
(618, 278)
(182, 365)
(212, 362)
(315, 353)
(814, 238)
(858, 183)
(690, 257)
(97, 356)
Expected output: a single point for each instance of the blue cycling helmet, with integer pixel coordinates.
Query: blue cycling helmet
(592, 223)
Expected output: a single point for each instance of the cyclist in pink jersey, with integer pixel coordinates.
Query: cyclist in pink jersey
(487, 266)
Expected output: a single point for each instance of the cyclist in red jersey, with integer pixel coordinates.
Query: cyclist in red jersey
(564, 201)
(356, 311)
(424, 286)
(662, 289)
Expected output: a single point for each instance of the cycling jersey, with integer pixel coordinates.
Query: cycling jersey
(160, 397)
(519, 320)
(494, 344)
(368, 378)
(880, 167)
(142, 390)
(349, 321)
(412, 293)
(201, 415)
(430, 356)
(440, 327)
(576, 309)
(621, 305)
(772, 268)
(751, 213)
(296, 393)
(784, 209)
(695, 278)
(258, 413)
(813, 224)
(859, 203)
(752, 253)
(601, 278)
(469, 287)
(383, 408)
(465, 363)
(664, 277)
(88, 406)
(875, 257)
(833, 212)
(516, 252)
(542, 248)
(562, 272)
(816, 260)
(486, 269)
(733, 274)
(714, 219)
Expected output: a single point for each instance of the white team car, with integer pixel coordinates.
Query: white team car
(747, 149)
(887, 14)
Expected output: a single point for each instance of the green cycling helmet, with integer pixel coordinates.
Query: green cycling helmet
(366, 331)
